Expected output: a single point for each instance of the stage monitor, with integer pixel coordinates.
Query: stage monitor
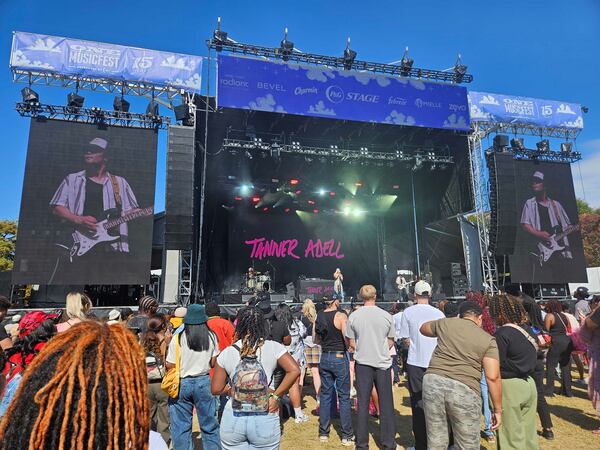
(87, 205)
(548, 242)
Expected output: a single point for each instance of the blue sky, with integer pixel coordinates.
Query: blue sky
(547, 49)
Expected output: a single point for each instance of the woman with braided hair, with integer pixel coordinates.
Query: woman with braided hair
(517, 349)
(557, 324)
(86, 389)
(252, 431)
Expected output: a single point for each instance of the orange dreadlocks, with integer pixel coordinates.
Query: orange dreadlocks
(85, 390)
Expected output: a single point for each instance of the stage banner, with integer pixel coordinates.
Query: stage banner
(87, 205)
(486, 107)
(290, 88)
(43, 53)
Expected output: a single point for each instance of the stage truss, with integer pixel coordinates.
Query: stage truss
(480, 186)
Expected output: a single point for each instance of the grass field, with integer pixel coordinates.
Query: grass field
(573, 418)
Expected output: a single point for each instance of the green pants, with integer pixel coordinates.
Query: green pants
(519, 402)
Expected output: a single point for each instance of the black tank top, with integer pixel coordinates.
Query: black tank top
(559, 328)
(333, 341)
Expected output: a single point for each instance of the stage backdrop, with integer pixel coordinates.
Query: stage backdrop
(540, 257)
(79, 227)
(304, 244)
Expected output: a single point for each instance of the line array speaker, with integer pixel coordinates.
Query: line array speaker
(503, 203)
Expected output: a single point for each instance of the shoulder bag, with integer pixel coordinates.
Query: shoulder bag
(170, 382)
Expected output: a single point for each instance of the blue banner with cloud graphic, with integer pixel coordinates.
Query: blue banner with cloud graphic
(282, 87)
(43, 53)
(486, 107)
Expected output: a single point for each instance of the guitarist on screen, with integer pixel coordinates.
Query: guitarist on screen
(85, 199)
(546, 221)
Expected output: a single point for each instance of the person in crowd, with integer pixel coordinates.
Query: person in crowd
(450, 310)
(394, 353)
(590, 332)
(198, 349)
(534, 320)
(371, 333)
(577, 355)
(126, 314)
(312, 351)
(582, 307)
(419, 354)
(222, 328)
(35, 329)
(155, 342)
(85, 389)
(5, 340)
(147, 306)
(114, 316)
(252, 430)
(178, 316)
(557, 324)
(329, 331)
(452, 383)
(78, 307)
(517, 348)
(297, 331)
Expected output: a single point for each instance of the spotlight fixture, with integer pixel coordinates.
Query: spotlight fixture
(120, 104)
(286, 47)
(543, 146)
(460, 70)
(349, 56)
(74, 100)
(152, 109)
(406, 64)
(500, 143)
(97, 113)
(30, 96)
(566, 148)
(220, 37)
(585, 109)
(517, 144)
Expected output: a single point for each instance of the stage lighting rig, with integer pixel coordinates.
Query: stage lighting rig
(152, 109)
(219, 37)
(97, 113)
(517, 144)
(74, 100)
(500, 143)
(30, 96)
(460, 70)
(349, 56)
(543, 146)
(120, 104)
(406, 64)
(286, 47)
(566, 148)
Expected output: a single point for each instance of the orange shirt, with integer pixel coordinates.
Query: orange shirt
(223, 329)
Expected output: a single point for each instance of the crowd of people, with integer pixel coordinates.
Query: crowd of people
(134, 380)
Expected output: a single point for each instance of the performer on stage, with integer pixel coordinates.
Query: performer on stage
(338, 287)
(402, 286)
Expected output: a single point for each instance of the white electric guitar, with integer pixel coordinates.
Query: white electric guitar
(549, 247)
(85, 240)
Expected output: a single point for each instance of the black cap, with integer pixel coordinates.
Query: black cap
(265, 307)
(469, 308)
(581, 292)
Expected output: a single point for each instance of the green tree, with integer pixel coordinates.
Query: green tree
(8, 238)
(584, 208)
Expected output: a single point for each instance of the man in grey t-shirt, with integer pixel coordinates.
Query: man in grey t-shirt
(371, 332)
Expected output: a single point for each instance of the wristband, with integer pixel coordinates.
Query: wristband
(274, 395)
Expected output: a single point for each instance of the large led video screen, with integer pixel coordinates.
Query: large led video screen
(87, 205)
(548, 241)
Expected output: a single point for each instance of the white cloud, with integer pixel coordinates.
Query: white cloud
(266, 103)
(477, 113)
(455, 121)
(366, 77)
(577, 123)
(194, 82)
(20, 60)
(399, 119)
(179, 63)
(417, 84)
(319, 74)
(488, 100)
(565, 109)
(320, 108)
(589, 167)
(44, 45)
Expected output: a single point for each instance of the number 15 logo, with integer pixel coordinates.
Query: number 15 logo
(142, 62)
(546, 110)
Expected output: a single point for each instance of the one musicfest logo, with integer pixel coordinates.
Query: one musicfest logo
(519, 107)
(317, 249)
(420, 103)
(334, 94)
(93, 56)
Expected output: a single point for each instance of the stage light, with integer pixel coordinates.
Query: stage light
(294, 181)
(332, 194)
(298, 192)
(349, 56)
(358, 184)
(517, 144)
(357, 213)
(566, 148)
(286, 47)
(500, 143)
(238, 199)
(585, 109)
(97, 112)
(244, 189)
(460, 70)
(311, 202)
(406, 64)
(74, 100)
(120, 104)
(395, 186)
(364, 150)
(315, 210)
(346, 211)
(321, 192)
(255, 199)
(152, 109)
(220, 37)
(266, 208)
(30, 96)
(287, 210)
(543, 146)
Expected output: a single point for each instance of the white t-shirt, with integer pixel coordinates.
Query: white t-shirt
(421, 347)
(156, 442)
(192, 363)
(397, 319)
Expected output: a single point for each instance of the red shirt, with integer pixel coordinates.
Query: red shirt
(223, 329)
